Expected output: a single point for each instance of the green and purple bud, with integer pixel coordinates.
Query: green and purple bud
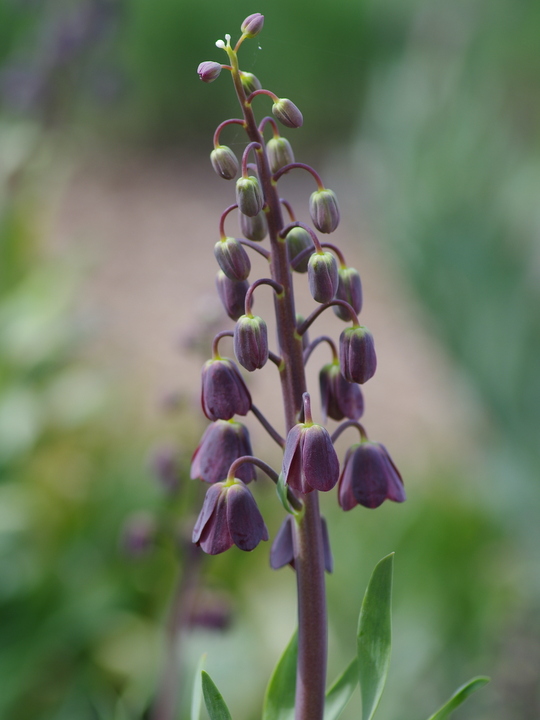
(232, 258)
(339, 398)
(250, 83)
(282, 551)
(251, 342)
(324, 210)
(229, 516)
(224, 162)
(232, 294)
(224, 392)
(249, 196)
(350, 290)
(357, 354)
(223, 442)
(322, 276)
(287, 113)
(280, 153)
(254, 228)
(369, 477)
(208, 71)
(252, 25)
(298, 241)
(310, 461)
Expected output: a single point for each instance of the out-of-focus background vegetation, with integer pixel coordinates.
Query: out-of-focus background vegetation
(424, 116)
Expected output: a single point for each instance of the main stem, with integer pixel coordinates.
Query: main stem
(309, 555)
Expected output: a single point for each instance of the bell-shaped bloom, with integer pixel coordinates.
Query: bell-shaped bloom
(232, 294)
(298, 241)
(249, 196)
(254, 228)
(310, 461)
(251, 342)
(349, 289)
(369, 477)
(223, 442)
(324, 210)
(280, 153)
(282, 551)
(232, 258)
(287, 113)
(357, 354)
(224, 392)
(339, 398)
(224, 162)
(229, 516)
(322, 276)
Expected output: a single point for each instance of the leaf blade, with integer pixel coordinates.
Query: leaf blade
(339, 694)
(461, 694)
(375, 636)
(197, 693)
(281, 691)
(215, 704)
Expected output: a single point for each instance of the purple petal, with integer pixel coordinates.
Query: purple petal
(215, 537)
(369, 475)
(395, 490)
(346, 498)
(291, 459)
(246, 524)
(320, 464)
(209, 505)
(282, 552)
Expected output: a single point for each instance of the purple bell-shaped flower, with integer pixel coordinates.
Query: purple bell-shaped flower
(369, 477)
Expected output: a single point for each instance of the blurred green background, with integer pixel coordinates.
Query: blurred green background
(426, 115)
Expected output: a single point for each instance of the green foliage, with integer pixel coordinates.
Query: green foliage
(196, 696)
(375, 636)
(215, 704)
(339, 694)
(459, 697)
(280, 693)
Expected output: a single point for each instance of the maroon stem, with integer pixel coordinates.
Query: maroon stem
(309, 555)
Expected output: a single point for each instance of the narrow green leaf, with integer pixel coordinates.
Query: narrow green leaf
(196, 697)
(282, 495)
(375, 636)
(458, 697)
(281, 690)
(339, 694)
(215, 704)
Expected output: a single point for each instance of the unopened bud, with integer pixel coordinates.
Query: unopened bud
(254, 228)
(322, 276)
(350, 290)
(232, 294)
(357, 354)
(249, 196)
(324, 210)
(250, 83)
(251, 342)
(232, 258)
(287, 113)
(208, 71)
(224, 162)
(224, 392)
(280, 153)
(252, 25)
(298, 241)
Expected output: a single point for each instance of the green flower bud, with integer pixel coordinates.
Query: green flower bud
(254, 228)
(249, 196)
(357, 356)
(280, 153)
(324, 210)
(322, 276)
(350, 290)
(224, 162)
(250, 83)
(251, 342)
(232, 258)
(287, 113)
(299, 240)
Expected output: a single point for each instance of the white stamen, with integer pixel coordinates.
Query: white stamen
(228, 38)
(220, 44)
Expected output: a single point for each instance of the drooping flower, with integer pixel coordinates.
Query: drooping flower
(229, 516)
(223, 393)
(282, 551)
(349, 289)
(324, 210)
(322, 276)
(369, 477)
(232, 294)
(251, 342)
(339, 398)
(357, 354)
(223, 442)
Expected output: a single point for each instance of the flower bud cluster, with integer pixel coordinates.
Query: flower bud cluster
(224, 457)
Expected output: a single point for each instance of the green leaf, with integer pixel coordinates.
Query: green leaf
(458, 697)
(215, 704)
(341, 691)
(196, 697)
(281, 690)
(282, 495)
(375, 636)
